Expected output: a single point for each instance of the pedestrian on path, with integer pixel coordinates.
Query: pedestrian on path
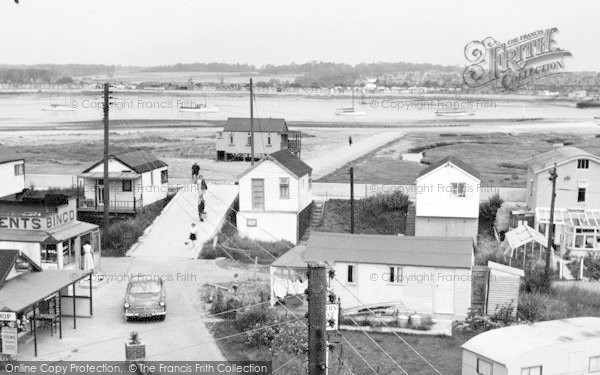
(195, 172)
(201, 213)
(192, 238)
(350, 140)
(201, 186)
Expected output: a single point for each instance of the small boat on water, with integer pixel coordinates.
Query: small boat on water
(349, 111)
(452, 112)
(59, 108)
(589, 104)
(199, 108)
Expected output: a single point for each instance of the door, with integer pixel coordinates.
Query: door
(100, 191)
(444, 292)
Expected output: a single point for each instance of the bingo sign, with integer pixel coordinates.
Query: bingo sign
(8, 333)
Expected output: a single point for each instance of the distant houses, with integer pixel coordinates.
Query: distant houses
(12, 174)
(136, 179)
(275, 198)
(447, 202)
(270, 135)
(565, 346)
(577, 204)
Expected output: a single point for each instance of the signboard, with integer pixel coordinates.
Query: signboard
(34, 220)
(8, 333)
(332, 315)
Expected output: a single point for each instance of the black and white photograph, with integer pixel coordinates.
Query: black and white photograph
(299, 187)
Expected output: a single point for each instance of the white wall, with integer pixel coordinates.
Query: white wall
(299, 196)
(31, 249)
(446, 226)
(270, 226)
(11, 183)
(540, 190)
(436, 199)
(241, 146)
(469, 365)
(417, 293)
(570, 358)
(152, 189)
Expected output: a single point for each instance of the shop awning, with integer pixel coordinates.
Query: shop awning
(22, 292)
(75, 228)
(111, 175)
(17, 235)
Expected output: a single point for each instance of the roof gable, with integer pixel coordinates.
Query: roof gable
(286, 161)
(269, 125)
(139, 161)
(453, 160)
(558, 155)
(8, 260)
(446, 252)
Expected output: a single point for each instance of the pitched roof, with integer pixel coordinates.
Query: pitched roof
(291, 162)
(557, 155)
(140, 161)
(242, 124)
(450, 159)
(293, 258)
(7, 261)
(504, 345)
(6, 157)
(447, 252)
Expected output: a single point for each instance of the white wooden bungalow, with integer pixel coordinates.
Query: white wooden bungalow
(12, 175)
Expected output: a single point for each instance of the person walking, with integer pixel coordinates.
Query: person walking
(201, 213)
(202, 187)
(193, 236)
(195, 172)
(350, 140)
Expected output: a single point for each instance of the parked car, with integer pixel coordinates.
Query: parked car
(145, 297)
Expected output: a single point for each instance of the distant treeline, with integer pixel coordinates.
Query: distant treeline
(202, 67)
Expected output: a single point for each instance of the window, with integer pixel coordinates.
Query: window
(49, 254)
(219, 135)
(249, 140)
(19, 169)
(581, 195)
(151, 178)
(351, 277)
(68, 253)
(535, 370)
(269, 139)
(126, 185)
(595, 364)
(258, 194)
(583, 163)
(230, 138)
(164, 176)
(309, 182)
(484, 367)
(284, 187)
(251, 222)
(396, 275)
(459, 189)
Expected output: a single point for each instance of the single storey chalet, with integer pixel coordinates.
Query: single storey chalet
(565, 346)
(12, 175)
(447, 203)
(136, 179)
(429, 275)
(275, 198)
(270, 135)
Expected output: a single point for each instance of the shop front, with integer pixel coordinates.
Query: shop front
(46, 229)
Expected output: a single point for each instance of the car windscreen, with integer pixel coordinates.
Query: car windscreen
(144, 287)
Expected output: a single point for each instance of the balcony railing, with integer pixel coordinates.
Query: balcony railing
(114, 205)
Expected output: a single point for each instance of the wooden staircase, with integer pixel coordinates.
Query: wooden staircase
(315, 219)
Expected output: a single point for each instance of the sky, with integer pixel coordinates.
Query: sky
(259, 32)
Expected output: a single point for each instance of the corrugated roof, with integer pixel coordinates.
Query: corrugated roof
(504, 345)
(291, 162)
(23, 291)
(557, 155)
(140, 161)
(241, 124)
(451, 159)
(447, 252)
(74, 228)
(293, 258)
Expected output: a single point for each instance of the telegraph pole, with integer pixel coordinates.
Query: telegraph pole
(351, 172)
(552, 178)
(317, 299)
(106, 189)
(251, 126)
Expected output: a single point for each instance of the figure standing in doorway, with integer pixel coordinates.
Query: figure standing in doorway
(88, 257)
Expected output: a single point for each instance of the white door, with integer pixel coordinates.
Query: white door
(444, 292)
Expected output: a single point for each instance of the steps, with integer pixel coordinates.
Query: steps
(315, 218)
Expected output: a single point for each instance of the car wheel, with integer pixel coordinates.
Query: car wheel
(162, 317)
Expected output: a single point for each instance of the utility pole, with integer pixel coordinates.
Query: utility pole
(317, 299)
(251, 125)
(552, 178)
(351, 172)
(106, 189)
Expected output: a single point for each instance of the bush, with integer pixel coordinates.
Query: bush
(591, 267)
(488, 249)
(253, 318)
(537, 307)
(488, 210)
(535, 278)
(376, 204)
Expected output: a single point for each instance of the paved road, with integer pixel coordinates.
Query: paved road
(181, 336)
(171, 229)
